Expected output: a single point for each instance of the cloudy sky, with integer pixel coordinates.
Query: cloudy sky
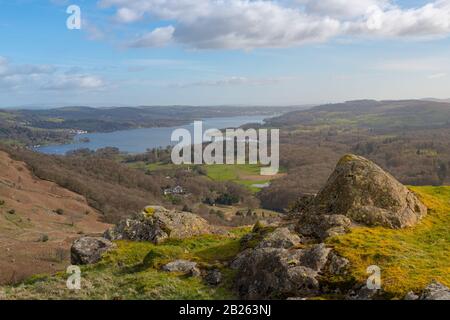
(214, 52)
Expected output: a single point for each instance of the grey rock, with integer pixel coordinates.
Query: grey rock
(280, 238)
(182, 266)
(365, 194)
(266, 273)
(364, 293)
(436, 291)
(323, 226)
(89, 250)
(337, 265)
(156, 224)
(240, 259)
(213, 277)
(302, 203)
(411, 296)
(315, 257)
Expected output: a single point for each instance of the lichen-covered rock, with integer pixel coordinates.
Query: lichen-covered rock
(435, 291)
(266, 273)
(315, 257)
(183, 266)
(411, 296)
(364, 193)
(337, 265)
(89, 250)
(364, 293)
(273, 273)
(302, 203)
(323, 226)
(213, 277)
(280, 238)
(156, 224)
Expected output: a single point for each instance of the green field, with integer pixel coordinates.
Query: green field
(245, 174)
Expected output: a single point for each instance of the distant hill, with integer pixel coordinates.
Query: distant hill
(43, 126)
(408, 137)
(379, 115)
(436, 100)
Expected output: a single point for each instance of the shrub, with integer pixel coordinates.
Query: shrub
(43, 238)
(12, 211)
(2, 202)
(59, 212)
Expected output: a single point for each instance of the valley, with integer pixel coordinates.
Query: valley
(244, 208)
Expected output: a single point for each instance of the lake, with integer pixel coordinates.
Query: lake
(139, 140)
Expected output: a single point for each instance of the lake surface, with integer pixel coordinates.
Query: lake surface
(139, 140)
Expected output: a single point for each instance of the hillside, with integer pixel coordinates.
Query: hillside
(38, 222)
(410, 256)
(410, 260)
(376, 115)
(408, 138)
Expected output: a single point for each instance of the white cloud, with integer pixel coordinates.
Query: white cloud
(74, 82)
(248, 24)
(19, 76)
(342, 8)
(427, 22)
(128, 15)
(231, 24)
(156, 38)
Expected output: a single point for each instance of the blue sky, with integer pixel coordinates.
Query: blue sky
(208, 52)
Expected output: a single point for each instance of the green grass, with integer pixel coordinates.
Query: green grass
(132, 271)
(245, 174)
(409, 259)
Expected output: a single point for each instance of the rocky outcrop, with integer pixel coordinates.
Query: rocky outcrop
(360, 192)
(273, 273)
(435, 291)
(364, 293)
(323, 226)
(182, 266)
(156, 224)
(89, 250)
(280, 238)
(337, 265)
(265, 273)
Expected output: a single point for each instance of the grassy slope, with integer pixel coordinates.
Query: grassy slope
(133, 272)
(409, 259)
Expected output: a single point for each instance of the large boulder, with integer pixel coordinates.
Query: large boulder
(362, 192)
(156, 224)
(89, 250)
(267, 273)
